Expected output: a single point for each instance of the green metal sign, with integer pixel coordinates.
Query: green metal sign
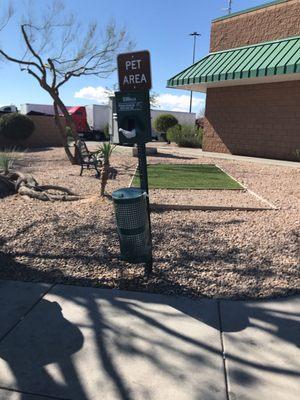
(133, 115)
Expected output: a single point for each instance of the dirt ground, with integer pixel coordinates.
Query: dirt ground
(220, 254)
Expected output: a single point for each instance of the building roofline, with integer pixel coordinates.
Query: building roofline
(253, 45)
(248, 10)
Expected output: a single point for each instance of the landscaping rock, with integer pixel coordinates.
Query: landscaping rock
(220, 254)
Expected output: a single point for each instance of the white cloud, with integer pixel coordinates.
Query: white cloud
(174, 102)
(99, 94)
(165, 101)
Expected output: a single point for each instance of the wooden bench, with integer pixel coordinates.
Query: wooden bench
(87, 158)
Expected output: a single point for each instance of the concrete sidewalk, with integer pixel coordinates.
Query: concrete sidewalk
(67, 342)
(199, 153)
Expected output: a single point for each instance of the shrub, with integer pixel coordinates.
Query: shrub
(16, 126)
(186, 136)
(165, 122)
(173, 134)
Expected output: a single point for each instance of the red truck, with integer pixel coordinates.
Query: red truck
(78, 114)
(90, 120)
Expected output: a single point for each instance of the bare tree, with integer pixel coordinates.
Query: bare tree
(58, 48)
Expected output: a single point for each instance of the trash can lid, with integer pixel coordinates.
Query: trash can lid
(127, 194)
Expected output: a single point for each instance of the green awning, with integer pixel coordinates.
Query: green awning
(265, 62)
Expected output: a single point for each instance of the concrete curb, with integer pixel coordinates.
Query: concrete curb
(135, 171)
(249, 191)
(187, 207)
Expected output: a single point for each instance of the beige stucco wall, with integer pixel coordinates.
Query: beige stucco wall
(269, 23)
(45, 134)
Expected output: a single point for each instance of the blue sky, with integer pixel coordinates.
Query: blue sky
(160, 26)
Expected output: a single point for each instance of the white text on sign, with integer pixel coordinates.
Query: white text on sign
(134, 78)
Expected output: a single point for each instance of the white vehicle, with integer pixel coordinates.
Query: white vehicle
(37, 108)
(8, 109)
(97, 116)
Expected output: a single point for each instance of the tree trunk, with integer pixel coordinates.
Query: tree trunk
(58, 104)
(104, 178)
(26, 185)
(69, 120)
(63, 134)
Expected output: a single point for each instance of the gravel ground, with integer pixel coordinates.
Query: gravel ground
(220, 254)
(215, 198)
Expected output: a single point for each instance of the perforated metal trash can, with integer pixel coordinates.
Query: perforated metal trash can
(133, 224)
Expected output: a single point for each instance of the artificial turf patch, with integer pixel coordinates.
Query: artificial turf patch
(187, 176)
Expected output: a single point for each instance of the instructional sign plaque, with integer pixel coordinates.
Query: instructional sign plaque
(133, 113)
(134, 71)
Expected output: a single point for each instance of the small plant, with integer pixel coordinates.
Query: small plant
(8, 157)
(298, 154)
(16, 126)
(105, 151)
(186, 136)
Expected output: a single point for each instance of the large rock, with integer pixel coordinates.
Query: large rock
(150, 151)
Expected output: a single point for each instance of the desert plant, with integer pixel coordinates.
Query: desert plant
(8, 157)
(174, 133)
(16, 126)
(105, 151)
(186, 136)
(298, 154)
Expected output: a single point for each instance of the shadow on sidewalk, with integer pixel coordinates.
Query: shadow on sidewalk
(52, 339)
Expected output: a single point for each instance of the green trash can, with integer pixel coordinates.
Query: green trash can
(131, 210)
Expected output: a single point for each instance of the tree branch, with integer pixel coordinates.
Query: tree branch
(52, 68)
(18, 61)
(40, 80)
(41, 67)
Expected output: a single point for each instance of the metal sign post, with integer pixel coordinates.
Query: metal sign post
(133, 113)
(144, 185)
